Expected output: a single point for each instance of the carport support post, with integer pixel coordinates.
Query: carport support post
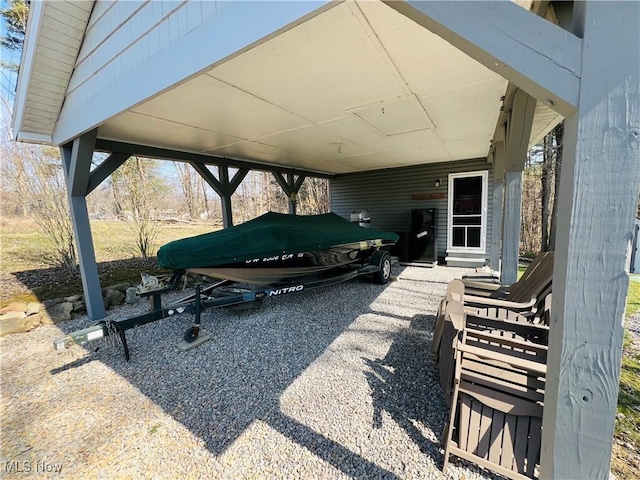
(225, 197)
(223, 187)
(518, 132)
(512, 216)
(498, 188)
(76, 163)
(598, 195)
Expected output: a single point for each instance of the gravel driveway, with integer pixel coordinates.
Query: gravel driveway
(327, 383)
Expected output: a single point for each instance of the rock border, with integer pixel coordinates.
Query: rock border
(19, 317)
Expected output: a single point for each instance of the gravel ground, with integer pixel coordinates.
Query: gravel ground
(327, 383)
(632, 324)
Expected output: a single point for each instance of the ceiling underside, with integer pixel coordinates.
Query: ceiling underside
(357, 87)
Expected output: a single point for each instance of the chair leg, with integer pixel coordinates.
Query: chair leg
(437, 332)
(448, 429)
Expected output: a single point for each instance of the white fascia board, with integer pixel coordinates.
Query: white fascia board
(541, 58)
(238, 27)
(32, 137)
(27, 61)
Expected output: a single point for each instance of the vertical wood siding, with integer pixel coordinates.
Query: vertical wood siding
(386, 194)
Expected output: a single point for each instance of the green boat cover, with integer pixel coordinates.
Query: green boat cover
(268, 235)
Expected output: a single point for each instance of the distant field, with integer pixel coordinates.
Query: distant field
(24, 247)
(26, 254)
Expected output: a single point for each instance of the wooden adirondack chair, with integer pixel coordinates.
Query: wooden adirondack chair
(455, 293)
(498, 394)
(526, 297)
(522, 295)
(452, 324)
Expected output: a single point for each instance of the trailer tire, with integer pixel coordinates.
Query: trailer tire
(383, 260)
(191, 335)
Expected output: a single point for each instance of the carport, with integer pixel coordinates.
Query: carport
(323, 89)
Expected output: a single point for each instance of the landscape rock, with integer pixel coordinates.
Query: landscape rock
(52, 301)
(121, 287)
(12, 314)
(112, 297)
(57, 313)
(73, 298)
(132, 296)
(33, 308)
(79, 306)
(32, 321)
(14, 324)
(14, 307)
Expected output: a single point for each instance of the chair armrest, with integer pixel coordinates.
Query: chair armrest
(472, 300)
(468, 283)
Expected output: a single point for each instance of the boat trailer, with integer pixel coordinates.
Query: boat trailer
(224, 293)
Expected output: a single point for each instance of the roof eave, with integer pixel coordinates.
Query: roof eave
(27, 62)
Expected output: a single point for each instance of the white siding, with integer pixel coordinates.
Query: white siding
(122, 35)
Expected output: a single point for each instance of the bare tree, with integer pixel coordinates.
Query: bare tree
(545, 194)
(313, 196)
(559, 141)
(531, 210)
(137, 189)
(191, 183)
(32, 177)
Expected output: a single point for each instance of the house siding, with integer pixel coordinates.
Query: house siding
(386, 194)
(122, 35)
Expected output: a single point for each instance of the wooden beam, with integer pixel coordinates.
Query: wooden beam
(497, 204)
(512, 217)
(175, 155)
(80, 163)
(518, 131)
(532, 53)
(106, 168)
(237, 180)
(282, 182)
(225, 199)
(597, 207)
(83, 239)
(293, 196)
(298, 183)
(209, 177)
(519, 125)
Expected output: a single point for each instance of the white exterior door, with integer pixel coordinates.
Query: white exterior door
(467, 216)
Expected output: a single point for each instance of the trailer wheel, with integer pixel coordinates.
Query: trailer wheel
(191, 335)
(383, 274)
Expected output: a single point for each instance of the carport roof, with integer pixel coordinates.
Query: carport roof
(353, 86)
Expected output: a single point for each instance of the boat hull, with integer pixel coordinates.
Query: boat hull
(278, 268)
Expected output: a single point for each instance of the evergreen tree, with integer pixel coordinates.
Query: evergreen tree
(15, 18)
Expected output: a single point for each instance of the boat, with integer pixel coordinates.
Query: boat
(276, 247)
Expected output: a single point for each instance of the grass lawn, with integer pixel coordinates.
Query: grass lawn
(627, 430)
(28, 272)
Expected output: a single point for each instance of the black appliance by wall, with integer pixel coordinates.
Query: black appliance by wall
(422, 236)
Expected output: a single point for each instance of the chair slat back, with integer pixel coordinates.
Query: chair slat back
(533, 284)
